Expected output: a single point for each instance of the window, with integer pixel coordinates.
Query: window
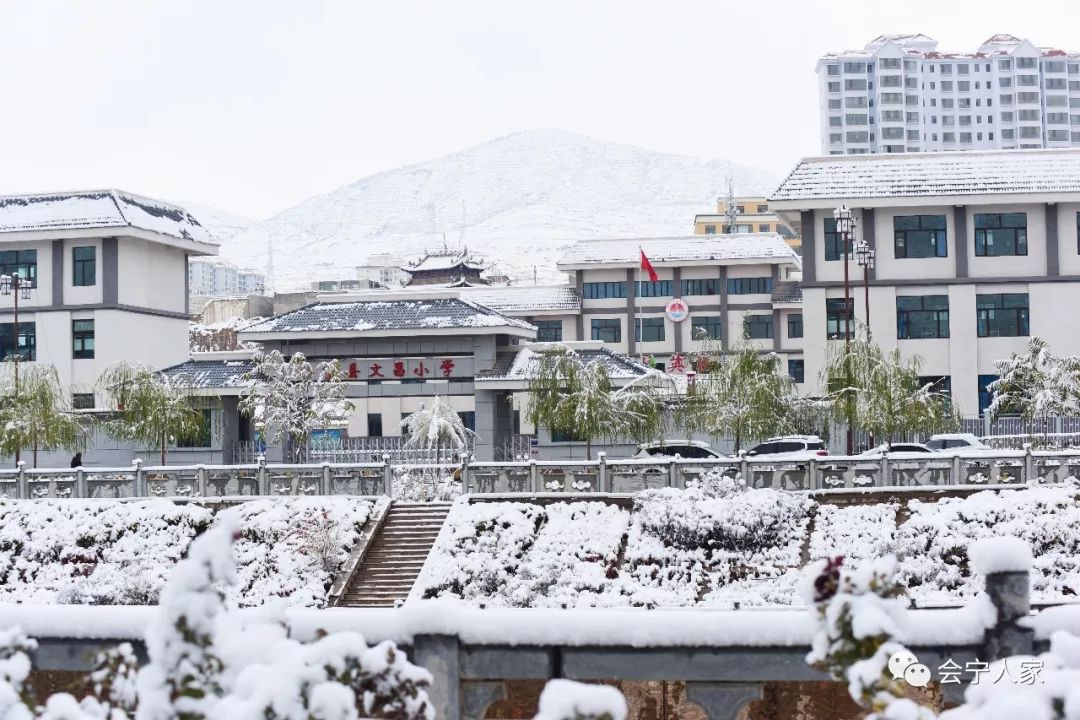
(949, 137)
(82, 339)
(854, 67)
(1005, 64)
(1008, 134)
(854, 102)
(763, 227)
(1057, 135)
(857, 137)
(833, 86)
(1005, 82)
(913, 117)
(660, 288)
(758, 327)
(889, 63)
(201, 439)
(1029, 98)
(1074, 69)
(892, 98)
(832, 69)
(374, 425)
(468, 419)
(1078, 233)
(851, 119)
(603, 290)
(891, 133)
(891, 81)
(1028, 115)
(998, 234)
(707, 326)
(82, 401)
(946, 69)
(1055, 66)
(1002, 315)
(710, 229)
(84, 266)
(1057, 118)
(706, 286)
(920, 236)
(1026, 63)
(965, 120)
(19, 262)
(794, 325)
(963, 69)
(749, 286)
(649, 329)
(1007, 117)
(797, 370)
(1057, 84)
(27, 341)
(834, 246)
(922, 316)
(965, 137)
(837, 322)
(1027, 80)
(963, 86)
(834, 103)
(948, 103)
(548, 330)
(946, 85)
(607, 330)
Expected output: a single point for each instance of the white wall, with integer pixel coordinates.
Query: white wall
(395, 409)
(151, 275)
(82, 295)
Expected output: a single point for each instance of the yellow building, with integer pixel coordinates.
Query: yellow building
(752, 216)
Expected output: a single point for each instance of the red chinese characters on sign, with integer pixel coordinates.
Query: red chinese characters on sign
(446, 367)
(399, 368)
(352, 371)
(375, 371)
(703, 363)
(678, 363)
(420, 371)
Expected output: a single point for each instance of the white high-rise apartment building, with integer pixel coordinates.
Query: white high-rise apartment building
(900, 94)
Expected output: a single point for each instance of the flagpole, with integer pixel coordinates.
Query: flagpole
(637, 310)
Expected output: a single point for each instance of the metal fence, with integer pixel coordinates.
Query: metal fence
(427, 481)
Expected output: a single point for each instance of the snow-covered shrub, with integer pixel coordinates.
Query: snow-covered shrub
(292, 548)
(932, 545)
(14, 669)
(412, 485)
(485, 546)
(92, 552)
(855, 532)
(113, 679)
(569, 700)
(573, 558)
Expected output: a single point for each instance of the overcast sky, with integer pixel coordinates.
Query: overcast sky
(254, 106)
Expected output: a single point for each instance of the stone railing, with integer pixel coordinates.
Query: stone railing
(624, 475)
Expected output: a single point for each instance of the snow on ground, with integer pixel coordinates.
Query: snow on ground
(120, 553)
(723, 548)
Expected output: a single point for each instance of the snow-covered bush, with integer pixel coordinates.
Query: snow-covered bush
(569, 700)
(856, 532)
(932, 544)
(120, 553)
(485, 546)
(209, 663)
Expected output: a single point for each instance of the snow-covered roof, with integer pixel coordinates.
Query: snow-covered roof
(99, 209)
(938, 174)
(374, 317)
(525, 299)
(444, 261)
(683, 250)
(210, 374)
(524, 366)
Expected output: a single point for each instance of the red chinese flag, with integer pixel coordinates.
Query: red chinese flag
(647, 267)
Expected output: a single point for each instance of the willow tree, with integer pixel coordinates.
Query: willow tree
(745, 395)
(881, 393)
(152, 409)
(577, 397)
(39, 416)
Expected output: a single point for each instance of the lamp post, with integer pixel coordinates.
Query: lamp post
(845, 228)
(865, 255)
(19, 287)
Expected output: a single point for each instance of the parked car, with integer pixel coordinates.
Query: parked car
(688, 449)
(790, 447)
(902, 450)
(957, 443)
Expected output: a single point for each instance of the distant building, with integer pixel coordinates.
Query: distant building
(752, 215)
(901, 94)
(216, 278)
(456, 268)
(346, 285)
(382, 270)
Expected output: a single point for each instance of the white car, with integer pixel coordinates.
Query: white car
(686, 449)
(900, 450)
(790, 447)
(957, 444)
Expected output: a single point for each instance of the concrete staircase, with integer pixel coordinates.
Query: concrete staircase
(397, 552)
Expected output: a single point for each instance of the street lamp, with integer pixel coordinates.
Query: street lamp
(865, 255)
(845, 228)
(19, 287)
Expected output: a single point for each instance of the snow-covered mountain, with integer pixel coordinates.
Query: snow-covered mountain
(526, 197)
(221, 224)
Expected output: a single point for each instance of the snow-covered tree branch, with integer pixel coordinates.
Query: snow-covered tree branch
(435, 426)
(1036, 385)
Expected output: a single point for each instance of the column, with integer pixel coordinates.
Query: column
(438, 654)
(1053, 259)
(870, 234)
(579, 319)
(724, 339)
(961, 245)
(808, 245)
(631, 297)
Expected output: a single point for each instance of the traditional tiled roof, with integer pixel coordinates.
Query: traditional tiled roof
(524, 299)
(676, 250)
(525, 365)
(374, 315)
(938, 174)
(787, 291)
(97, 209)
(209, 374)
(440, 261)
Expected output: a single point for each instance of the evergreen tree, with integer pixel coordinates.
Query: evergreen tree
(1036, 385)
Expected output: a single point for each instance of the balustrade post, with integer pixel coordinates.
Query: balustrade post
(466, 479)
(200, 479)
(264, 483)
(885, 474)
(673, 473)
(1010, 592)
(955, 477)
(140, 478)
(22, 484)
(602, 472)
(327, 480)
(1030, 473)
(812, 475)
(80, 484)
(387, 476)
(744, 469)
(534, 476)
